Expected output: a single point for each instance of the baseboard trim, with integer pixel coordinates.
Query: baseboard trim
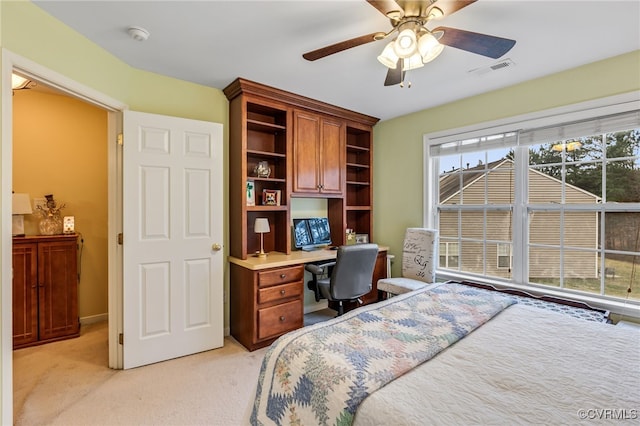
(318, 306)
(94, 319)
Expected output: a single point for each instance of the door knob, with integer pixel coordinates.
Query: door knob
(216, 247)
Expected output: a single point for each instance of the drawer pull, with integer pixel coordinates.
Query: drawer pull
(282, 318)
(283, 276)
(282, 292)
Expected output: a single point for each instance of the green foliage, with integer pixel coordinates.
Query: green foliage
(584, 165)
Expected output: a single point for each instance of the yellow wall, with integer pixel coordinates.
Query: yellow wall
(28, 31)
(398, 159)
(60, 148)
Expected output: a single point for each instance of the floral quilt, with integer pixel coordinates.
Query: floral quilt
(318, 375)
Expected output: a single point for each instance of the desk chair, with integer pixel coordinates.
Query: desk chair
(418, 262)
(349, 277)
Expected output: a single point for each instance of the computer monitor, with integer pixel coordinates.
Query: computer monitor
(311, 233)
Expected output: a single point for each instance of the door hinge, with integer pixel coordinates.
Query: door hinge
(120, 139)
(121, 338)
(120, 238)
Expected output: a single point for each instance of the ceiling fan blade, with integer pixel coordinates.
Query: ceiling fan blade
(449, 6)
(386, 6)
(395, 76)
(339, 47)
(481, 44)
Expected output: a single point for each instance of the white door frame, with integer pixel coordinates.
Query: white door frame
(10, 62)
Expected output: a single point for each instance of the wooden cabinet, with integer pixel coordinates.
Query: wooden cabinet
(259, 132)
(355, 209)
(265, 304)
(312, 148)
(45, 289)
(318, 155)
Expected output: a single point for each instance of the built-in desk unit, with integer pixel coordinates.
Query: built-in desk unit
(311, 149)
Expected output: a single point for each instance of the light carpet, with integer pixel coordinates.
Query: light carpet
(70, 383)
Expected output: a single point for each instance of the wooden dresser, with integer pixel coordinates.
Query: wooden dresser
(45, 289)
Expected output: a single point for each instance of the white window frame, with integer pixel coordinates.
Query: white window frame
(447, 254)
(509, 255)
(537, 120)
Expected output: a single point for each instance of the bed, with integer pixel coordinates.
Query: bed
(450, 354)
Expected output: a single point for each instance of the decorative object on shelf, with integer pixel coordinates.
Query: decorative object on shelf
(262, 169)
(261, 226)
(350, 237)
(251, 193)
(68, 225)
(362, 238)
(271, 197)
(51, 222)
(21, 205)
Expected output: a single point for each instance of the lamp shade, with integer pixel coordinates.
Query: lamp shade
(261, 225)
(405, 44)
(429, 48)
(21, 204)
(412, 62)
(388, 57)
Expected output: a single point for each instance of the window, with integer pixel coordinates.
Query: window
(448, 255)
(504, 255)
(542, 206)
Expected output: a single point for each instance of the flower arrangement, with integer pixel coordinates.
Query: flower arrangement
(51, 208)
(51, 222)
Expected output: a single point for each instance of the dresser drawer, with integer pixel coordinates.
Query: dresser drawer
(280, 276)
(279, 292)
(279, 319)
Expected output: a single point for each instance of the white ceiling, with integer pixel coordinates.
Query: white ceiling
(213, 42)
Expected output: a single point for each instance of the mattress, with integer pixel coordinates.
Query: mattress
(526, 365)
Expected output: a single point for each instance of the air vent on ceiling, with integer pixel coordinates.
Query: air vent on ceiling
(505, 63)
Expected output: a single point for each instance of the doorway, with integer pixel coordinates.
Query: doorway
(112, 108)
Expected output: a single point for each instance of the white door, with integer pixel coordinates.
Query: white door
(172, 226)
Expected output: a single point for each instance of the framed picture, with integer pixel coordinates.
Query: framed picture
(362, 238)
(251, 193)
(271, 197)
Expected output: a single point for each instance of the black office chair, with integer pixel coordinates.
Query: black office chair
(348, 278)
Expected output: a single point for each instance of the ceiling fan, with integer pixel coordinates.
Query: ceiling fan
(415, 44)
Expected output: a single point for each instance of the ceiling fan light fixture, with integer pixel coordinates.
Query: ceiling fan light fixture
(412, 62)
(435, 13)
(406, 43)
(18, 82)
(388, 57)
(429, 48)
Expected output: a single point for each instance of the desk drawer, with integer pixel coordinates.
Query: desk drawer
(280, 276)
(279, 292)
(279, 319)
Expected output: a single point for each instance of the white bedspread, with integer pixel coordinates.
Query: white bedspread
(526, 365)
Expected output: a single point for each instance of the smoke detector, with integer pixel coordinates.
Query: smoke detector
(138, 33)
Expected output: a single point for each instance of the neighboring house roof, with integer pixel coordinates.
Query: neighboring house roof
(450, 184)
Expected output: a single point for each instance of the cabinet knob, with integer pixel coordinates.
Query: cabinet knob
(282, 318)
(282, 292)
(283, 276)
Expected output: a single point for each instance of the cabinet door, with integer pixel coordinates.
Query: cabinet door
(332, 157)
(58, 292)
(25, 294)
(306, 155)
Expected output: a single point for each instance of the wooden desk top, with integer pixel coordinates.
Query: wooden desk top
(276, 259)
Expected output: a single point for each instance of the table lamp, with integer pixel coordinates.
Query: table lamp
(260, 227)
(21, 205)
